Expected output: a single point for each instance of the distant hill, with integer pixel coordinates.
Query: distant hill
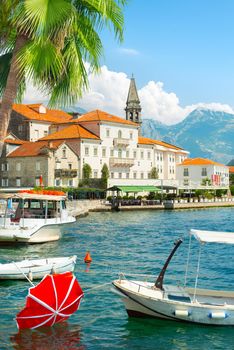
(204, 132)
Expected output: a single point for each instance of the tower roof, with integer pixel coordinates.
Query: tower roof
(133, 99)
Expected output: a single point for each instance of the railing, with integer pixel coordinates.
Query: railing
(121, 142)
(65, 172)
(121, 162)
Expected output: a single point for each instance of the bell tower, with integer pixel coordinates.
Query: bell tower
(133, 106)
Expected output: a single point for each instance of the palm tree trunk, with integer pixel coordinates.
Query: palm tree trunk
(10, 91)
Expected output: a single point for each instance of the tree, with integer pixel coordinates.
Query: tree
(48, 42)
(105, 175)
(154, 173)
(87, 171)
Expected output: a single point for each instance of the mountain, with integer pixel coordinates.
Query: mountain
(204, 132)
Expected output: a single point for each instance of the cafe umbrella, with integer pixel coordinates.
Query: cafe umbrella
(51, 301)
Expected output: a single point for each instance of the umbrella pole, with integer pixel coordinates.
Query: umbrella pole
(20, 270)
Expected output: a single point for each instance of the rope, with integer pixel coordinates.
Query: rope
(99, 286)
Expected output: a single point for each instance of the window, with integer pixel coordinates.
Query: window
(104, 152)
(142, 175)
(64, 153)
(107, 132)
(186, 182)
(38, 165)
(134, 175)
(5, 167)
(127, 175)
(120, 175)
(134, 154)
(127, 154)
(57, 182)
(131, 135)
(142, 154)
(45, 132)
(69, 166)
(95, 174)
(119, 153)
(161, 158)
(20, 128)
(18, 166)
(148, 155)
(4, 182)
(170, 170)
(186, 172)
(70, 182)
(112, 175)
(157, 156)
(204, 172)
(95, 151)
(112, 153)
(149, 175)
(36, 134)
(161, 169)
(86, 151)
(119, 134)
(18, 182)
(37, 181)
(57, 165)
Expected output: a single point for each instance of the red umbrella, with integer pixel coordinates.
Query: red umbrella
(53, 300)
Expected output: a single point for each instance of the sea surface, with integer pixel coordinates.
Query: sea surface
(135, 243)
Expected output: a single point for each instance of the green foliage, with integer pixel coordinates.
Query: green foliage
(154, 173)
(208, 195)
(86, 171)
(105, 175)
(232, 190)
(206, 182)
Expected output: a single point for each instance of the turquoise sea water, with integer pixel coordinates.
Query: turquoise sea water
(131, 242)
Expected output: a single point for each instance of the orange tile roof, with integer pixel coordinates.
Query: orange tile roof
(32, 149)
(15, 141)
(31, 112)
(148, 141)
(98, 115)
(199, 161)
(71, 132)
(231, 169)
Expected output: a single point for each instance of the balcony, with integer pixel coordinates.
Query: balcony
(120, 142)
(121, 162)
(65, 173)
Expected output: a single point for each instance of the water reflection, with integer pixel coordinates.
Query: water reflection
(61, 336)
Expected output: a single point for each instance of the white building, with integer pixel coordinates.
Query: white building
(202, 173)
(102, 138)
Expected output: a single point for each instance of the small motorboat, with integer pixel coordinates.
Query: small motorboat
(34, 217)
(180, 303)
(36, 268)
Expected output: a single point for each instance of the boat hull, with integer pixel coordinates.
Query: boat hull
(142, 301)
(39, 233)
(36, 269)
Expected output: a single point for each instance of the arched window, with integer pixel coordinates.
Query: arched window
(119, 134)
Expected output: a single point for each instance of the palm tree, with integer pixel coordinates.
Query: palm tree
(48, 42)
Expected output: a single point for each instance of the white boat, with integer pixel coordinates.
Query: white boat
(36, 268)
(33, 217)
(168, 302)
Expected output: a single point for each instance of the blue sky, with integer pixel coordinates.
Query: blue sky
(186, 44)
(181, 53)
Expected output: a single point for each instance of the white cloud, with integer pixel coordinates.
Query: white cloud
(108, 91)
(129, 51)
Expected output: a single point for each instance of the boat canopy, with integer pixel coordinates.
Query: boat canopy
(31, 196)
(129, 189)
(213, 236)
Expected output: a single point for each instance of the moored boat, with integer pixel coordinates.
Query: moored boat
(180, 303)
(36, 268)
(33, 217)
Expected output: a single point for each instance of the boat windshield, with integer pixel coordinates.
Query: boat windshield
(36, 209)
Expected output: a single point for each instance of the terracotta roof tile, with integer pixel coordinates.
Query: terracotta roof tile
(199, 161)
(98, 115)
(32, 149)
(15, 141)
(31, 112)
(71, 132)
(148, 141)
(231, 169)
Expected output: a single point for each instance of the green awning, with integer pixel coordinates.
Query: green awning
(132, 189)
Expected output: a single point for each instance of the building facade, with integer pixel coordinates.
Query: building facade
(202, 173)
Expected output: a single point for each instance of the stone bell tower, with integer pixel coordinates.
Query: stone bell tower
(133, 106)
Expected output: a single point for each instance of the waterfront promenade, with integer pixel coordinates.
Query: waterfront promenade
(81, 208)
